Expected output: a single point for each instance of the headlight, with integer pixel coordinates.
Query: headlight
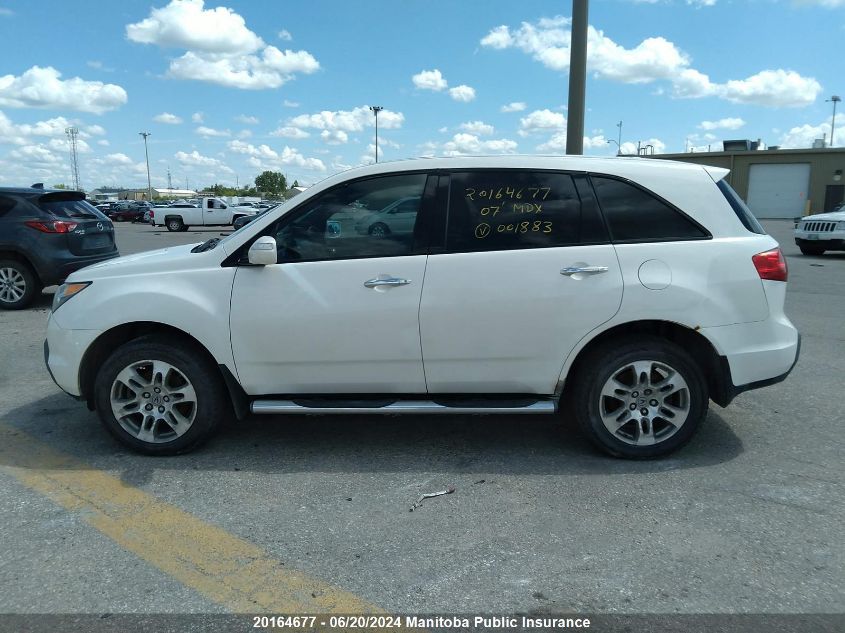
(66, 291)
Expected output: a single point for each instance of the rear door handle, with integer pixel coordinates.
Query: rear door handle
(584, 270)
(386, 281)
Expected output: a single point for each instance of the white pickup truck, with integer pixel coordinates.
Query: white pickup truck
(210, 212)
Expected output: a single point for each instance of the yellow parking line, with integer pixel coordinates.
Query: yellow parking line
(227, 569)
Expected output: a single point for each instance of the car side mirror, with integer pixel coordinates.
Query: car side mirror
(263, 251)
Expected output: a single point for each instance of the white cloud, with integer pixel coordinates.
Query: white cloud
(249, 72)
(652, 59)
(195, 159)
(514, 106)
(479, 128)
(776, 88)
(186, 24)
(264, 157)
(463, 143)
(430, 80)
(244, 134)
(42, 88)
(208, 132)
(220, 47)
(103, 142)
(334, 137)
(290, 104)
(285, 35)
(353, 120)
(462, 93)
(631, 148)
(729, 123)
(701, 3)
(247, 120)
(166, 117)
(198, 117)
(802, 136)
(540, 121)
(119, 159)
(290, 132)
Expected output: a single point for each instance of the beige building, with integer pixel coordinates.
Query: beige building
(780, 183)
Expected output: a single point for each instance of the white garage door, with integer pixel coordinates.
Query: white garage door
(778, 191)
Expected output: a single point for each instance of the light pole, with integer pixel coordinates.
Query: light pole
(375, 110)
(619, 142)
(147, 154)
(835, 99)
(577, 78)
(618, 146)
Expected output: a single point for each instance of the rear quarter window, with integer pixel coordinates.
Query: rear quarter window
(740, 208)
(636, 215)
(7, 205)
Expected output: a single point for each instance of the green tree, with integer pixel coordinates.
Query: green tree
(271, 182)
(60, 185)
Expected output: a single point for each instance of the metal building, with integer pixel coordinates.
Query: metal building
(780, 183)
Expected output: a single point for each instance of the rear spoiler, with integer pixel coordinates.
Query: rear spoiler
(61, 195)
(716, 173)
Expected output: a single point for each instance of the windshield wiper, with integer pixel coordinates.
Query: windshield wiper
(206, 246)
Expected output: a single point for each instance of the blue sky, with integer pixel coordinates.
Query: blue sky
(228, 89)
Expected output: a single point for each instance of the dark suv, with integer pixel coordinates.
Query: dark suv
(45, 235)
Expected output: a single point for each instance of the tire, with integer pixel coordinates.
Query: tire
(119, 218)
(811, 250)
(19, 285)
(656, 433)
(128, 380)
(379, 229)
(174, 224)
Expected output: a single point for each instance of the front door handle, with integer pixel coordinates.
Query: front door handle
(584, 270)
(386, 281)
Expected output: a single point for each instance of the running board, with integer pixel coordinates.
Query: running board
(272, 407)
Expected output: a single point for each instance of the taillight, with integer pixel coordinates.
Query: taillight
(152, 214)
(771, 265)
(52, 226)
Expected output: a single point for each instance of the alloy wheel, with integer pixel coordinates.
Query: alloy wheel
(12, 285)
(153, 401)
(644, 403)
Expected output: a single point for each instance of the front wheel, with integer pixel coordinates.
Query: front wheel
(379, 229)
(159, 396)
(811, 250)
(639, 398)
(175, 224)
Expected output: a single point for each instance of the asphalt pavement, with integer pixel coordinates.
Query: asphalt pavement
(747, 518)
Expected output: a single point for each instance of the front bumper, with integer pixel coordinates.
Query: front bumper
(63, 354)
(829, 240)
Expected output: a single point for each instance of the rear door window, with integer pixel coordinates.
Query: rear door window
(636, 215)
(740, 208)
(493, 210)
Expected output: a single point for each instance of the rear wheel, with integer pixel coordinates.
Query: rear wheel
(175, 224)
(159, 396)
(811, 250)
(639, 398)
(18, 285)
(379, 229)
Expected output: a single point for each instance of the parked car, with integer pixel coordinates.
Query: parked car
(211, 212)
(397, 217)
(126, 214)
(623, 293)
(46, 235)
(815, 234)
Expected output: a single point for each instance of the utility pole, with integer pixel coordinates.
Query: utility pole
(147, 154)
(72, 133)
(375, 110)
(835, 99)
(577, 78)
(169, 181)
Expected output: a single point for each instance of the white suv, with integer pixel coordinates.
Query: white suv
(625, 293)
